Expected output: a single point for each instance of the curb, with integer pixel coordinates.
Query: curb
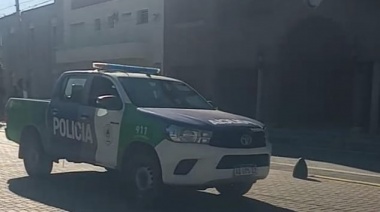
(286, 150)
(346, 181)
(346, 176)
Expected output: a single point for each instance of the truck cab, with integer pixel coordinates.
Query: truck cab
(153, 130)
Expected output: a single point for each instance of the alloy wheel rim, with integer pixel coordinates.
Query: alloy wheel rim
(144, 178)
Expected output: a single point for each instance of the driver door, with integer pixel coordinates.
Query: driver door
(104, 121)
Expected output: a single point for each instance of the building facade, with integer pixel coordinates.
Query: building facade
(289, 63)
(43, 42)
(295, 62)
(129, 32)
(28, 42)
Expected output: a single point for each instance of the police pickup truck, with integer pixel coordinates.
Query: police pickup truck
(152, 130)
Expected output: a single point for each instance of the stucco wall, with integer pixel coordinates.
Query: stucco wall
(309, 55)
(126, 30)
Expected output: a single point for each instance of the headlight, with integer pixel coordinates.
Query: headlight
(184, 135)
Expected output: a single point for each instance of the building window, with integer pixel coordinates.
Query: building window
(31, 32)
(98, 24)
(54, 35)
(113, 19)
(54, 31)
(126, 16)
(76, 4)
(111, 22)
(77, 33)
(143, 16)
(313, 3)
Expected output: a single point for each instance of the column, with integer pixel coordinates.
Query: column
(358, 103)
(375, 99)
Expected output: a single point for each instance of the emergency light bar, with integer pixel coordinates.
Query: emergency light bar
(126, 68)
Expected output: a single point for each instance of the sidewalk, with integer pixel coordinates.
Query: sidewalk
(339, 147)
(338, 154)
(329, 170)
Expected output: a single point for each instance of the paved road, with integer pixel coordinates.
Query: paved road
(79, 187)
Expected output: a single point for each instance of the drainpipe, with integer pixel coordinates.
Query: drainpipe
(259, 93)
(374, 115)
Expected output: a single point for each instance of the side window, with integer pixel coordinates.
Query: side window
(188, 95)
(101, 87)
(73, 89)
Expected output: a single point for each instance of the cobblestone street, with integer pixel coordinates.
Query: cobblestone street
(79, 187)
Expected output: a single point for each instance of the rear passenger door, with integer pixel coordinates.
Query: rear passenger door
(104, 120)
(68, 133)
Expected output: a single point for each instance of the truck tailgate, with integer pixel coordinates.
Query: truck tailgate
(22, 113)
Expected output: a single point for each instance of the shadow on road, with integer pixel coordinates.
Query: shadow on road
(95, 191)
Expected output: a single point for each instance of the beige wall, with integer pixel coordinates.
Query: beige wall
(129, 39)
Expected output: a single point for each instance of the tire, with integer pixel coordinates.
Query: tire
(235, 190)
(37, 164)
(144, 178)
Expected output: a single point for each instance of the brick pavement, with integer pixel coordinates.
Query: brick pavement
(325, 165)
(80, 187)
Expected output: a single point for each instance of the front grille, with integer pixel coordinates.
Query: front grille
(232, 138)
(233, 161)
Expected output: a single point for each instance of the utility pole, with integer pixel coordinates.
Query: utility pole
(19, 44)
(17, 6)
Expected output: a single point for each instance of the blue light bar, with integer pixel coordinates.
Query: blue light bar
(126, 68)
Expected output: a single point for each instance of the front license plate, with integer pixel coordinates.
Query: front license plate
(245, 171)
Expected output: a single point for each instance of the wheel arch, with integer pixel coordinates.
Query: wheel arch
(138, 147)
(27, 131)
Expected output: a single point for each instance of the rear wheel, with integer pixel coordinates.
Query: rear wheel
(235, 190)
(144, 178)
(36, 162)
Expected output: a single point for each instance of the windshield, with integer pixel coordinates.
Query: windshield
(155, 93)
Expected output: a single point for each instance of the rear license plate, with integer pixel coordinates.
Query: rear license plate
(245, 171)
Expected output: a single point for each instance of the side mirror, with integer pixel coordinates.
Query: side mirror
(109, 102)
(212, 104)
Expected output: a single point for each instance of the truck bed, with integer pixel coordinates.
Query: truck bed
(22, 113)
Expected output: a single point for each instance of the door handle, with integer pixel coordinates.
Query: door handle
(84, 117)
(54, 111)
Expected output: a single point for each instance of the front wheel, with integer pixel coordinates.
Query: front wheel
(36, 162)
(145, 179)
(235, 190)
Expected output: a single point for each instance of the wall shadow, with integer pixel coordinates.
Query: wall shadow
(316, 74)
(359, 160)
(96, 191)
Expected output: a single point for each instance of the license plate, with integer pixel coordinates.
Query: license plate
(245, 171)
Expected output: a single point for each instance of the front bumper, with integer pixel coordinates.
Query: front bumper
(213, 165)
